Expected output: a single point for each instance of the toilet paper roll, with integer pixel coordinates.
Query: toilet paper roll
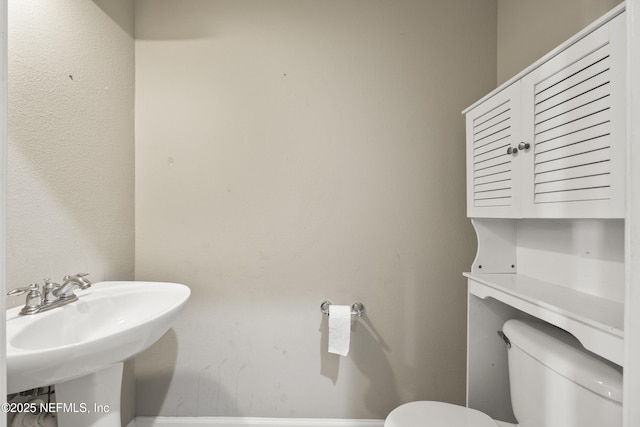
(339, 329)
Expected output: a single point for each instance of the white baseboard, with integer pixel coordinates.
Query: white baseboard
(250, 422)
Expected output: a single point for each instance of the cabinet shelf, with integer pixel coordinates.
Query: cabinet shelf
(597, 322)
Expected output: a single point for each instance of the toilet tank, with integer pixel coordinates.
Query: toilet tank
(555, 382)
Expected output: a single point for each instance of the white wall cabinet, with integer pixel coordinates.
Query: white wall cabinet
(546, 194)
(551, 142)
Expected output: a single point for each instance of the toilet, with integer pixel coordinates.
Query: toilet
(554, 382)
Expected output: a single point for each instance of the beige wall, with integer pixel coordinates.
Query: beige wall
(70, 171)
(527, 29)
(292, 151)
(70, 156)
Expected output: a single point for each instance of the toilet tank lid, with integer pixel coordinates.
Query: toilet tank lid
(561, 352)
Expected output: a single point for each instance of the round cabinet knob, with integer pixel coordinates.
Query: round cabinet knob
(512, 150)
(524, 146)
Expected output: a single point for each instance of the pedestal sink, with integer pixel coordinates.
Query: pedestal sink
(80, 347)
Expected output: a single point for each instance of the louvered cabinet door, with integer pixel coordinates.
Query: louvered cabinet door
(493, 130)
(574, 120)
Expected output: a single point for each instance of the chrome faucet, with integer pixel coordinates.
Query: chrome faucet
(53, 295)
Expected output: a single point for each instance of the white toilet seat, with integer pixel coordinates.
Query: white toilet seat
(436, 414)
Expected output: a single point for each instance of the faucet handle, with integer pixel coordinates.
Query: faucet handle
(34, 298)
(19, 291)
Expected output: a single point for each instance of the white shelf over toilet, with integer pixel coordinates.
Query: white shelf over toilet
(595, 321)
(551, 240)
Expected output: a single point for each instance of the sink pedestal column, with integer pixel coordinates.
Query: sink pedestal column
(92, 400)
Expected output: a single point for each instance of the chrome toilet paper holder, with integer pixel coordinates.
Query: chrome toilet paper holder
(357, 308)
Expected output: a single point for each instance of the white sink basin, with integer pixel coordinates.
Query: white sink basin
(110, 322)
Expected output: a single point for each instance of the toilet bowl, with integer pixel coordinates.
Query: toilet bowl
(554, 382)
